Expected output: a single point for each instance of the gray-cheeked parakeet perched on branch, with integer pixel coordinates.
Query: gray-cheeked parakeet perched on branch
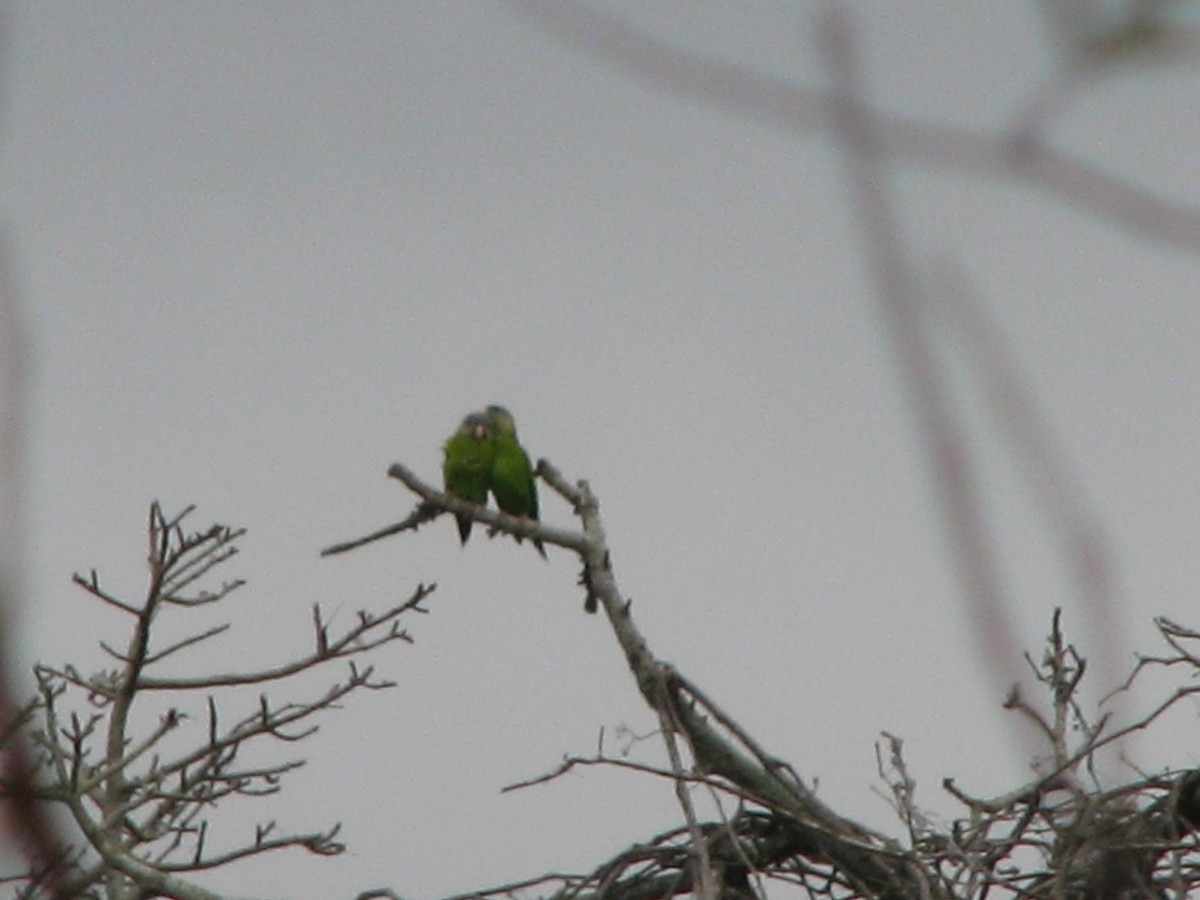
(512, 481)
(467, 468)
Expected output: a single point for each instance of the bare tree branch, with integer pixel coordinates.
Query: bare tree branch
(141, 811)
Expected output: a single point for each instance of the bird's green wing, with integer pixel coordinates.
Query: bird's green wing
(512, 478)
(467, 467)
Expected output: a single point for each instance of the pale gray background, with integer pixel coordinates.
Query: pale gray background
(264, 250)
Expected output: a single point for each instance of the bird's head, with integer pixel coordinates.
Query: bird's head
(501, 420)
(478, 426)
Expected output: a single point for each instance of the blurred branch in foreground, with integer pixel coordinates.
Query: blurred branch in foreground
(1023, 153)
(21, 819)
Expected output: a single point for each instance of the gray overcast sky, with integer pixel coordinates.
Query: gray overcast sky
(264, 250)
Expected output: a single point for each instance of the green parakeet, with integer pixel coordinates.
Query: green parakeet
(512, 475)
(467, 468)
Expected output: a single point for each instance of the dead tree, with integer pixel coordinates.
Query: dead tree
(1062, 835)
(140, 808)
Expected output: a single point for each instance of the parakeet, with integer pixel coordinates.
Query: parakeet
(512, 475)
(467, 468)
